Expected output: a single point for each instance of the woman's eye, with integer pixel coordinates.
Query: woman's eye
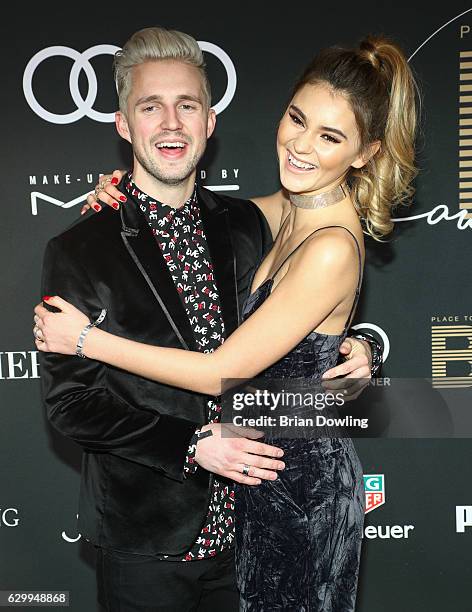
(295, 119)
(330, 138)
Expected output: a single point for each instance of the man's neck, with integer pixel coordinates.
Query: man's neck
(172, 195)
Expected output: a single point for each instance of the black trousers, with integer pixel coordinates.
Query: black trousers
(137, 583)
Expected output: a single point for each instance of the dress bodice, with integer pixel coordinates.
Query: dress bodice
(315, 354)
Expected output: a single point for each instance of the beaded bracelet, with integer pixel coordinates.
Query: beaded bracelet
(85, 331)
(376, 350)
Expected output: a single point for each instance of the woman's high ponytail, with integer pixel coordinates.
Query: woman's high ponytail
(381, 89)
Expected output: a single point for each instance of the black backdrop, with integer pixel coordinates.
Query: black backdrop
(416, 295)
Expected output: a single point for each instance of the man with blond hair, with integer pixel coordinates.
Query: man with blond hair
(172, 268)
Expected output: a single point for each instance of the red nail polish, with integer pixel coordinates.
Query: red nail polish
(96, 207)
(46, 298)
(115, 205)
(123, 198)
(114, 181)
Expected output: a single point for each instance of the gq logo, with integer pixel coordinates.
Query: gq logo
(9, 517)
(82, 63)
(374, 487)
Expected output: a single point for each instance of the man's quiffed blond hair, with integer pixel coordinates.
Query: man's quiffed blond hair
(153, 44)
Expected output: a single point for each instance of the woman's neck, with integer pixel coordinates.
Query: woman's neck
(303, 220)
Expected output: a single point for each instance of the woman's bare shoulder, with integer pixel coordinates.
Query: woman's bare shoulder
(331, 253)
(274, 207)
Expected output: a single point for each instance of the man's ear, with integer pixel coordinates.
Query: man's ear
(211, 122)
(371, 150)
(122, 126)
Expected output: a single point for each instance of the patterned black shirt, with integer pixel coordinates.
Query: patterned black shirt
(181, 238)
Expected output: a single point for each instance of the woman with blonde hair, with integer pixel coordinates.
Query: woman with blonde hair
(346, 154)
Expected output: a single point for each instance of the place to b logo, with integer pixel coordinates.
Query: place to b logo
(374, 487)
(451, 352)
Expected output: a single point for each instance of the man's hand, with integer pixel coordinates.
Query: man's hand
(226, 453)
(356, 367)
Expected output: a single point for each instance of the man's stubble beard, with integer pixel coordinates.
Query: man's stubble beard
(151, 168)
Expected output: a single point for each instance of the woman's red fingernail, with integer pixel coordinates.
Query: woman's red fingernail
(123, 198)
(46, 298)
(114, 181)
(96, 207)
(115, 205)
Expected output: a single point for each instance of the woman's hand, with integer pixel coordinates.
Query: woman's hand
(106, 192)
(58, 332)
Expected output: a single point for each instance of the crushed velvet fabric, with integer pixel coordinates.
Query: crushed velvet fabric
(298, 538)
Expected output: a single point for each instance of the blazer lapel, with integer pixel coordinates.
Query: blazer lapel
(142, 246)
(215, 219)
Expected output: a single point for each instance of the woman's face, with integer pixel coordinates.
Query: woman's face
(317, 140)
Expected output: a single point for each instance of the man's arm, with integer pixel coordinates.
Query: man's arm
(362, 359)
(373, 349)
(82, 408)
(78, 401)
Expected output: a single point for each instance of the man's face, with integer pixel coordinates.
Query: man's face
(167, 121)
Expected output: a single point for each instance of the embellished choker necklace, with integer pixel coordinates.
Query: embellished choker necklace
(320, 200)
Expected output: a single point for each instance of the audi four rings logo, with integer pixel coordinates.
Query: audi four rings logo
(82, 62)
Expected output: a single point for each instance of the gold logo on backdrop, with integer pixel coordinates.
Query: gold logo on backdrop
(465, 132)
(451, 355)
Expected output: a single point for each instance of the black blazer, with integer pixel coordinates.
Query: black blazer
(135, 433)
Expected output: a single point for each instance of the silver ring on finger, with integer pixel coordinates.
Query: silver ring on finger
(100, 187)
(37, 333)
(246, 469)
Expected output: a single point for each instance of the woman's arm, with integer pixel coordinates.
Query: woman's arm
(322, 274)
(274, 207)
(106, 192)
